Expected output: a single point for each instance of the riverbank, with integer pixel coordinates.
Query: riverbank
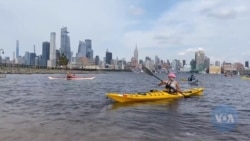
(13, 70)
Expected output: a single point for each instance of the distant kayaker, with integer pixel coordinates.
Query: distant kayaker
(191, 78)
(171, 84)
(69, 75)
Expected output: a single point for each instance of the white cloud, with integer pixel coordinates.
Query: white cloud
(214, 25)
(136, 11)
(189, 51)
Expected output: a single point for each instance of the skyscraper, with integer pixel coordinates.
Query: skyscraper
(217, 63)
(108, 57)
(65, 43)
(247, 64)
(27, 58)
(32, 58)
(97, 60)
(45, 53)
(183, 62)
(52, 56)
(199, 59)
(136, 54)
(17, 48)
(81, 49)
(89, 51)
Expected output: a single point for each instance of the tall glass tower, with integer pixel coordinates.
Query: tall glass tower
(89, 51)
(65, 43)
(52, 54)
(17, 48)
(136, 54)
(45, 53)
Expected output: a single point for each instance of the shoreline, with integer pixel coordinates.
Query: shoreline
(13, 70)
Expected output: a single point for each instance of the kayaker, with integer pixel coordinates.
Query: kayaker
(192, 77)
(171, 84)
(69, 75)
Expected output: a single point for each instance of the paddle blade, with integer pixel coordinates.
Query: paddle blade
(146, 70)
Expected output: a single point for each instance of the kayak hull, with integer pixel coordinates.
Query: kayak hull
(196, 81)
(74, 78)
(152, 95)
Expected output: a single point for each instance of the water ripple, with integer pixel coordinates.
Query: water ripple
(34, 108)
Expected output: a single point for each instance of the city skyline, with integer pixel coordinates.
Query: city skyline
(172, 31)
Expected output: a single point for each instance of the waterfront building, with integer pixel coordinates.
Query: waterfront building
(136, 55)
(246, 64)
(65, 43)
(183, 63)
(199, 60)
(97, 60)
(52, 58)
(82, 51)
(89, 51)
(45, 53)
(214, 69)
(27, 58)
(217, 63)
(17, 49)
(32, 59)
(108, 57)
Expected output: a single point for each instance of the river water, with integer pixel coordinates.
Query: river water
(34, 108)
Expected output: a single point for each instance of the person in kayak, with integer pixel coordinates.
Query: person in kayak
(171, 84)
(191, 78)
(69, 75)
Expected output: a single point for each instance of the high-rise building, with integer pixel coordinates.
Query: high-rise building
(183, 62)
(206, 62)
(17, 48)
(52, 52)
(136, 54)
(65, 43)
(45, 53)
(157, 60)
(82, 51)
(247, 64)
(27, 58)
(199, 59)
(57, 56)
(97, 60)
(193, 64)
(32, 59)
(217, 63)
(108, 57)
(34, 48)
(89, 51)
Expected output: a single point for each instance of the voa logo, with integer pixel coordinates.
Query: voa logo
(224, 118)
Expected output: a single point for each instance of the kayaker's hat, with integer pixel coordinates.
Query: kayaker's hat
(171, 75)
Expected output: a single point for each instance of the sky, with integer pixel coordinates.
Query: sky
(170, 29)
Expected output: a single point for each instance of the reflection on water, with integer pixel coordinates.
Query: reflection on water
(34, 108)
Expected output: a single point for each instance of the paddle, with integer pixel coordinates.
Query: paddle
(147, 71)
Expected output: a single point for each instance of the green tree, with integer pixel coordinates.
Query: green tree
(63, 61)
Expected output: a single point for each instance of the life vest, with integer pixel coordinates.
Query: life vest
(171, 87)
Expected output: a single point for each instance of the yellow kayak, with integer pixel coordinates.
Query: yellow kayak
(153, 95)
